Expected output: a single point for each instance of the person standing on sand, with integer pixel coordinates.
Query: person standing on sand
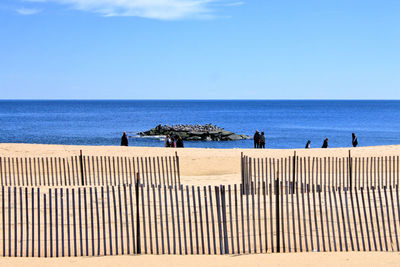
(325, 144)
(179, 142)
(167, 141)
(256, 139)
(308, 145)
(262, 140)
(172, 144)
(354, 140)
(124, 139)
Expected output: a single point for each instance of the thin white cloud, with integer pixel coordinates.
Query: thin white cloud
(27, 11)
(235, 3)
(154, 9)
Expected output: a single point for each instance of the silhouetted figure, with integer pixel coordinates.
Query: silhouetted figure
(354, 140)
(167, 141)
(308, 145)
(179, 142)
(325, 144)
(124, 139)
(256, 139)
(262, 140)
(173, 144)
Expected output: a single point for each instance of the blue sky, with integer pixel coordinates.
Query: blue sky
(199, 49)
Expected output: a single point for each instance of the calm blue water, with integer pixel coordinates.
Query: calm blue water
(287, 124)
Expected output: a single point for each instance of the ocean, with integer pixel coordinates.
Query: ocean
(286, 123)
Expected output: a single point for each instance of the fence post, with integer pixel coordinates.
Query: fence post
(218, 200)
(81, 163)
(350, 171)
(177, 168)
(277, 213)
(242, 167)
(138, 248)
(293, 171)
(224, 222)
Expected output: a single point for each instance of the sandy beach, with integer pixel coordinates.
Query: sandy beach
(352, 259)
(206, 167)
(198, 166)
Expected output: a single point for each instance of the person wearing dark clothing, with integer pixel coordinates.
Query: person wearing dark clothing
(179, 142)
(354, 140)
(308, 145)
(124, 139)
(262, 140)
(256, 139)
(325, 144)
(167, 141)
(173, 144)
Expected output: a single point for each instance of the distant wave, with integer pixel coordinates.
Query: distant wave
(157, 137)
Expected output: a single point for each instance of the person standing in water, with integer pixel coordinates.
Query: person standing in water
(262, 140)
(325, 144)
(124, 139)
(354, 140)
(256, 139)
(308, 145)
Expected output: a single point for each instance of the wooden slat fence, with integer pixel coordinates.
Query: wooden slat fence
(206, 220)
(72, 221)
(337, 172)
(118, 220)
(223, 220)
(88, 170)
(323, 218)
(292, 204)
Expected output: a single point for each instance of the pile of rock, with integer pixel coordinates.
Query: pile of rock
(197, 132)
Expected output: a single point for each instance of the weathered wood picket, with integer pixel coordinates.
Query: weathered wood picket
(89, 170)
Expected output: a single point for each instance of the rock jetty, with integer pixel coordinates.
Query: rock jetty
(197, 132)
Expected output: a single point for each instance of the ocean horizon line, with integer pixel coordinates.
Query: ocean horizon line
(287, 123)
(193, 99)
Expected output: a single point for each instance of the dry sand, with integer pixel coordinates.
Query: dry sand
(289, 259)
(201, 167)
